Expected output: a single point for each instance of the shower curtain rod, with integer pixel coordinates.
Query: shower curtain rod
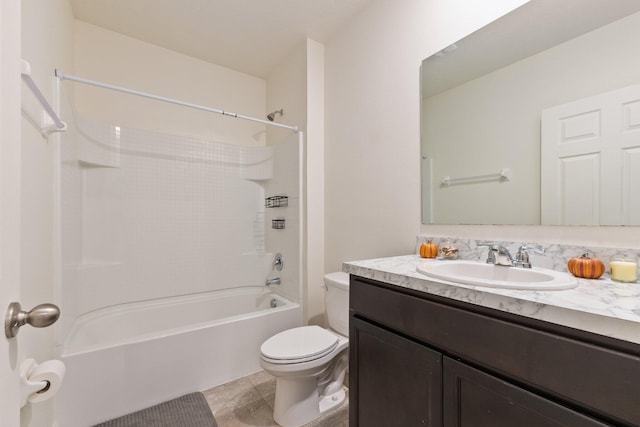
(63, 76)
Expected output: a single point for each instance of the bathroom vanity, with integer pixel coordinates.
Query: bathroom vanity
(425, 352)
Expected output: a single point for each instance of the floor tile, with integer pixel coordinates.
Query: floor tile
(236, 394)
(256, 413)
(265, 384)
(248, 402)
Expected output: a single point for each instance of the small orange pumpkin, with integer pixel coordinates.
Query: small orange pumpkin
(585, 267)
(428, 250)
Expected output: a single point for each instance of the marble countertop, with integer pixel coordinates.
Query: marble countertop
(600, 306)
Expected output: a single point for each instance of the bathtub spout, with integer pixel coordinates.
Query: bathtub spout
(270, 282)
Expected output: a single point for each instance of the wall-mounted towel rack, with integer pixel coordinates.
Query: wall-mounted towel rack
(504, 175)
(58, 125)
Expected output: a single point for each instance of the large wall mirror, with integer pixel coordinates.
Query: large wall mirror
(516, 118)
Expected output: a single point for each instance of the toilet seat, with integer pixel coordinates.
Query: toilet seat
(298, 345)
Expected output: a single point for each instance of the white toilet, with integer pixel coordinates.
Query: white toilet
(310, 362)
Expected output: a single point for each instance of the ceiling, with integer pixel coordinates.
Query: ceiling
(250, 36)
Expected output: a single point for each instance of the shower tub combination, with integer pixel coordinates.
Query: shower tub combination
(165, 246)
(128, 357)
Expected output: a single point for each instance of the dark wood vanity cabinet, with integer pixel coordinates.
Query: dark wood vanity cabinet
(472, 397)
(399, 381)
(422, 360)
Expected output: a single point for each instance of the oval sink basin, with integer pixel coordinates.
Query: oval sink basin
(498, 276)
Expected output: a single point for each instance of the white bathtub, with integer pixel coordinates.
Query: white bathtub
(125, 358)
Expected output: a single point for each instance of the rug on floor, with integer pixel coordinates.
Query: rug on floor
(189, 410)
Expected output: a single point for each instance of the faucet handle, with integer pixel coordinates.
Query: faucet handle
(491, 254)
(522, 257)
(530, 248)
(278, 262)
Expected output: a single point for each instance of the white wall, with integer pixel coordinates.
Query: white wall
(286, 87)
(314, 183)
(372, 133)
(46, 43)
(112, 58)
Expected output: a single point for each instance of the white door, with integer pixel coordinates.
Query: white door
(9, 202)
(590, 160)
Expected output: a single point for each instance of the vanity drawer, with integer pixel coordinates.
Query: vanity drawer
(568, 368)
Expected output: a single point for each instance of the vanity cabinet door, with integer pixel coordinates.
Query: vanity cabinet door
(473, 398)
(393, 381)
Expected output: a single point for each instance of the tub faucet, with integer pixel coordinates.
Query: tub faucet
(275, 281)
(499, 255)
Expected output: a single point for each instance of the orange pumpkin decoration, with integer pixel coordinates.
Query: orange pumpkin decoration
(428, 250)
(585, 267)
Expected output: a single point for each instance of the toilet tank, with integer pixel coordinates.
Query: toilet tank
(336, 300)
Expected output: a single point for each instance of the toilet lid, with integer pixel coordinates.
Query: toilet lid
(299, 345)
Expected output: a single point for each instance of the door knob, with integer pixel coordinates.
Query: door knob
(40, 316)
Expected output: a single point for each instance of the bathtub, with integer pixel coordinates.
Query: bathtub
(124, 358)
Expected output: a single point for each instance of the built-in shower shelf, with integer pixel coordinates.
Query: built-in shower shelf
(276, 202)
(278, 223)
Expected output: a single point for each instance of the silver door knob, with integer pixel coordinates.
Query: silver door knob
(40, 316)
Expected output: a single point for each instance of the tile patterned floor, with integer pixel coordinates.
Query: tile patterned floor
(248, 402)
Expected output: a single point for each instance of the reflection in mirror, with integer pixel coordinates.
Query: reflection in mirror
(483, 100)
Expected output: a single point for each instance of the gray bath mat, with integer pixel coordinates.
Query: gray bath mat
(189, 410)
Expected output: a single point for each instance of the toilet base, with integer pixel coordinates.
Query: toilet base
(327, 403)
(297, 401)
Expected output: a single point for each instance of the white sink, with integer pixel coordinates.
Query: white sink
(498, 276)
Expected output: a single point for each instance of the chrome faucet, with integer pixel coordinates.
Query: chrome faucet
(274, 281)
(499, 255)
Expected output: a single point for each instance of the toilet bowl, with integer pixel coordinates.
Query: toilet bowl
(310, 362)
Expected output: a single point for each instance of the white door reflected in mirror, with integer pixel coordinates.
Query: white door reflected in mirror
(590, 160)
